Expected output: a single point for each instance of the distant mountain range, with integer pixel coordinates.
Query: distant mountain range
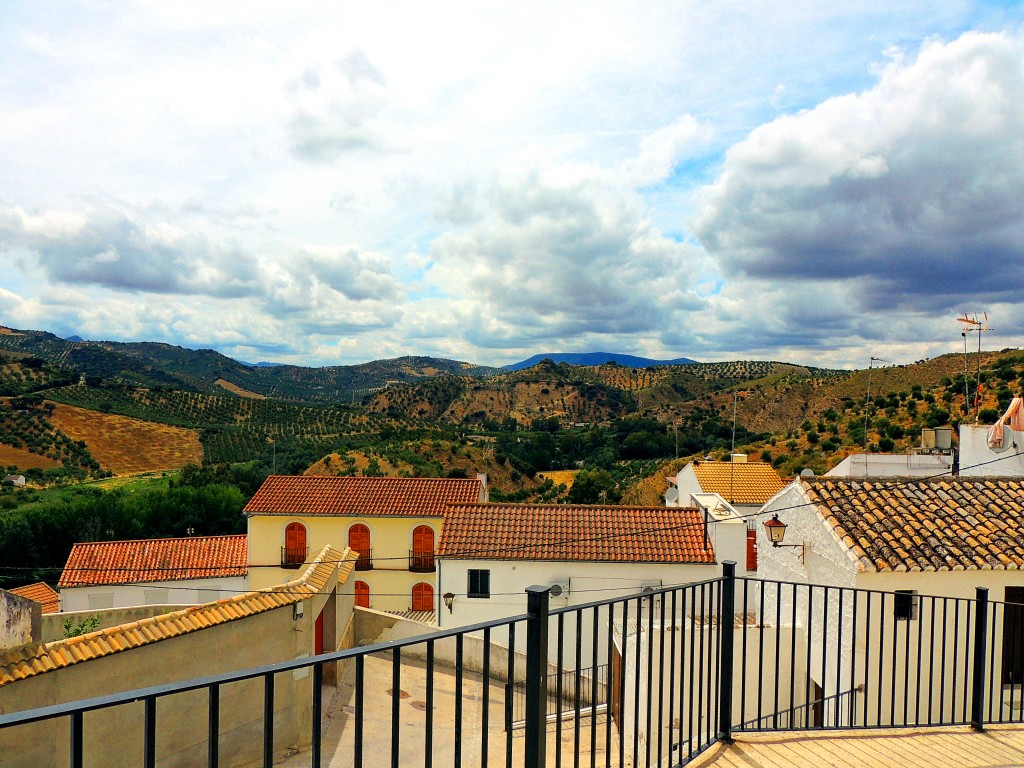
(155, 364)
(596, 358)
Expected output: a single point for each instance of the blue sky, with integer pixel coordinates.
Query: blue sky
(334, 183)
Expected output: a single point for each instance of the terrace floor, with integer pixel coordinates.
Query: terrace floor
(339, 723)
(952, 747)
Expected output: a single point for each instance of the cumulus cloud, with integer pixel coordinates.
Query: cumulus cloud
(913, 189)
(662, 150)
(554, 254)
(116, 249)
(338, 108)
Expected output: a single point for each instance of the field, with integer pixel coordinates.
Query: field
(237, 390)
(23, 459)
(127, 446)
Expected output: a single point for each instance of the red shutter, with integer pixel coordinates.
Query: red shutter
(362, 594)
(422, 597)
(751, 550)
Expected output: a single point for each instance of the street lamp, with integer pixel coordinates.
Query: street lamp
(776, 530)
(449, 599)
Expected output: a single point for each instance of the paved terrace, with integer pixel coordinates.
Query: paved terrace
(953, 747)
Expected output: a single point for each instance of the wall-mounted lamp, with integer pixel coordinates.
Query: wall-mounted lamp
(449, 598)
(776, 530)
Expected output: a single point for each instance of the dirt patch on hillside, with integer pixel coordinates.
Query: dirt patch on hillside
(126, 446)
(235, 389)
(23, 459)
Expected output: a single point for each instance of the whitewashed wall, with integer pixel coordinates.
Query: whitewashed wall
(182, 592)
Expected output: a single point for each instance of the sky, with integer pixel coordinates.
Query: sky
(332, 183)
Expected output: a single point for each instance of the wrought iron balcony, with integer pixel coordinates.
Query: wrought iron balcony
(293, 557)
(365, 561)
(421, 562)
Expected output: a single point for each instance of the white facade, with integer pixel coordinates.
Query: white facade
(181, 592)
(977, 459)
(893, 465)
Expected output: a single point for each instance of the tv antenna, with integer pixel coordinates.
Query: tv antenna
(867, 397)
(971, 324)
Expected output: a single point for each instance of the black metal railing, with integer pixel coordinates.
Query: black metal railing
(364, 562)
(421, 562)
(648, 679)
(293, 557)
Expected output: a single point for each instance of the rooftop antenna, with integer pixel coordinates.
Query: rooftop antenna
(732, 453)
(867, 400)
(972, 323)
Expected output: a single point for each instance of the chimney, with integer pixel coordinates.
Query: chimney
(738, 458)
(484, 492)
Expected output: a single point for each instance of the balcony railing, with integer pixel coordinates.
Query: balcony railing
(293, 557)
(421, 562)
(365, 561)
(681, 668)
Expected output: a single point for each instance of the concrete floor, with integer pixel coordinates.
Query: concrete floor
(340, 723)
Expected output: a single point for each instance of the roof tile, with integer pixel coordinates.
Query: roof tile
(739, 482)
(124, 562)
(363, 496)
(40, 592)
(925, 524)
(574, 532)
(33, 660)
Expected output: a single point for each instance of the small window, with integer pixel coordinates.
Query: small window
(905, 604)
(479, 583)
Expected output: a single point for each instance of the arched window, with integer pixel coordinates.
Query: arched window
(293, 553)
(359, 542)
(422, 597)
(362, 594)
(422, 556)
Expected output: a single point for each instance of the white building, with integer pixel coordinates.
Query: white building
(934, 540)
(183, 571)
(490, 553)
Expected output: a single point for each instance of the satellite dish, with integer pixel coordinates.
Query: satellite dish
(672, 495)
(808, 472)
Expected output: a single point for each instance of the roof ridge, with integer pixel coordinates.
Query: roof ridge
(162, 538)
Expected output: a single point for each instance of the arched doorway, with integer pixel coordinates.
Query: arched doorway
(359, 542)
(293, 554)
(362, 594)
(422, 597)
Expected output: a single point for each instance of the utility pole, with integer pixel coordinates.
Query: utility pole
(867, 401)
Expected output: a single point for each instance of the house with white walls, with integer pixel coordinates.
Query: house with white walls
(744, 485)
(174, 571)
(934, 540)
(490, 553)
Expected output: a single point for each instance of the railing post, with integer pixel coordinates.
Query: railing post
(978, 683)
(536, 669)
(725, 631)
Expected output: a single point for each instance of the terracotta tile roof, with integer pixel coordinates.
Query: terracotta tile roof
(564, 532)
(739, 482)
(363, 496)
(32, 660)
(40, 592)
(125, 562)
(935, 524)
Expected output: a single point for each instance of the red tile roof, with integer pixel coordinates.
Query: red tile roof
(126, 562)
(32, 660)
(564, 532)
(40, 592)
(937, 524)
(362, 496)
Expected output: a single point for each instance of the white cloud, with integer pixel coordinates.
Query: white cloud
(914, 188)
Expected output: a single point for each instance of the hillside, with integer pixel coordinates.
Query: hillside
(152, 364)
(595, 358)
